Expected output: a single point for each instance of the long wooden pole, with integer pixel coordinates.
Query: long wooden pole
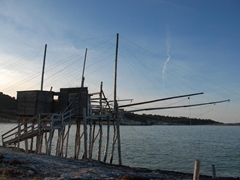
(116, 105)
(43, 68)
(174, 107)
(163, 99)
(83, 78)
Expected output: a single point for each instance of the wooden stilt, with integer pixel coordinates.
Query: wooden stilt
(19, 134)
(85, 133)
(62, 140)
(25, 130)
(100, 125)
(31, 145)
(93, 138)
(46, 142)
(39, 134)
(107, 140)
(66, 150)
(40, 143)
(58, 143)
(113, 143)
(51, 134)
(79, 140)
(100, 140)
(75, 152)
(90, 139)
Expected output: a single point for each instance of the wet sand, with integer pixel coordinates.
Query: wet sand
(20, 165)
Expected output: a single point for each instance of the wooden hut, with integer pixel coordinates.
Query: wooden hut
(30, 103)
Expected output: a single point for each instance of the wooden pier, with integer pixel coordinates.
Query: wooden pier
(41, 117)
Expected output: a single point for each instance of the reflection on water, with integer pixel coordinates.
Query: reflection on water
(174, 147)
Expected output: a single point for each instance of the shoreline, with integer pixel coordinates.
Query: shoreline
(19, 165)
(228, 124)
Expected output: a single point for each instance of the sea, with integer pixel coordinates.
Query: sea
(175, 148)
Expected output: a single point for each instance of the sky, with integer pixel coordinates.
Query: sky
(166, 48)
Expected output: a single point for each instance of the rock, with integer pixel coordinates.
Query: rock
(64, 177)
(30, 172)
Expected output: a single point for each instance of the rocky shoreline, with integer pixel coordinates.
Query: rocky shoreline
(20, 165)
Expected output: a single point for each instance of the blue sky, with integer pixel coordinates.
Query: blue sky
(166, 48)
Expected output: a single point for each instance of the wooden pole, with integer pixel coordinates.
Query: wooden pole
(174, 107)
(116, 104)
(46, 142)
(93, 137)
(85, 133)
(58, 143)
(19, 134)
(83, 78)
(79, 139)
(43, 68)
(163, 99)
(62, 140)
(31, 145)
(100, 140)
(25, 131)
(196, 170)
(39, 133)
(50, 141)
(90, 139)
(107, 139)
(213, 172)
(113, 143)
(100, 125)
(77, 136)
(66, 150)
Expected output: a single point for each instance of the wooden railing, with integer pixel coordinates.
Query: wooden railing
(27, 129)
(20, 129)
(42, 122)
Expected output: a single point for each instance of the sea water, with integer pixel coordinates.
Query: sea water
(175, 148)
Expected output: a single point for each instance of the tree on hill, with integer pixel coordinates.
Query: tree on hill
(7, 106)
(154, 119)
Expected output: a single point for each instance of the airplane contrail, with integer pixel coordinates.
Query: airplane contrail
(168, 45)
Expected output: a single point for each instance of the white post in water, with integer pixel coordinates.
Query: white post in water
(196, 170)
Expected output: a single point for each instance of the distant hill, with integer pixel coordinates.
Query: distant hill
(149, 119)
(7, 107)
